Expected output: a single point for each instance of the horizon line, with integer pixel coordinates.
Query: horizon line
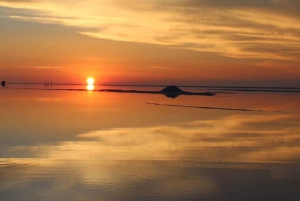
(159, 85)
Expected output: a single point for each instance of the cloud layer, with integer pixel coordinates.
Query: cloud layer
(264, 29)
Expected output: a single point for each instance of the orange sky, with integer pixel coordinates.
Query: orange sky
(157, 42)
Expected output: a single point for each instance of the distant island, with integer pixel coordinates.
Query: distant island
(174, 91)
(169, 91)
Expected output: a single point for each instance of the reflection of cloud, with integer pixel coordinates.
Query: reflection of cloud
(48, 99)
(174, 142)
(241, 29)
(196, 159)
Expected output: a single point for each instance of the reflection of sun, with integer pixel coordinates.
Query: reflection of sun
(90, 87)
(90, 80)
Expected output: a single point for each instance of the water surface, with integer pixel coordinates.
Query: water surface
(80, 145)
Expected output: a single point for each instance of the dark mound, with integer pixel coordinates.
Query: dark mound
(171, 95)
(172, 88)
(3, 83)
(172, 91)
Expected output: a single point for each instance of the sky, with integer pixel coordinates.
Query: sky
(183, 42)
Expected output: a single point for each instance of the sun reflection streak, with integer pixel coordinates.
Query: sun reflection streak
(90, 87)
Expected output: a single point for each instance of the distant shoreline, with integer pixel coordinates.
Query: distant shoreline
(145, 85)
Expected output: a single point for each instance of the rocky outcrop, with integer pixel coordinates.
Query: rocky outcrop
(172, 91)
(172, 88)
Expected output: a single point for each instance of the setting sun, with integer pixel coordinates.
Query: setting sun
(90, 87)
(90, 80)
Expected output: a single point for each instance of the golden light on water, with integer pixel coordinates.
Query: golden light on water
(90, 87)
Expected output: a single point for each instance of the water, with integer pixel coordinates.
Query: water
(79, 145)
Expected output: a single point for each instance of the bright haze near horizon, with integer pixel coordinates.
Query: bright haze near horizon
(184, 42)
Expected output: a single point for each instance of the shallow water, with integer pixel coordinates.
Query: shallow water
(72, 145)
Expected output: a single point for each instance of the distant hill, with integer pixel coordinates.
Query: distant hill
(172, 88)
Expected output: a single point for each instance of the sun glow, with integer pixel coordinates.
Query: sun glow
(90, 87)
(90, 81)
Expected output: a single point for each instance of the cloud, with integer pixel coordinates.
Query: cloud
(264, 29)
(47, 67)
(16, 1)
(158, 67)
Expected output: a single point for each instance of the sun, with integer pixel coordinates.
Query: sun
(90, 87)
(90, 81)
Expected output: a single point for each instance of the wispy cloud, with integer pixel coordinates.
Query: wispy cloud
(158, 67)
(264, 29)
(47, 67)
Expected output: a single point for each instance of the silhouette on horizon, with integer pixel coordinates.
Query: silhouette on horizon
(3, 83)
(169, 91)
(174, 91)
(47, 84)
